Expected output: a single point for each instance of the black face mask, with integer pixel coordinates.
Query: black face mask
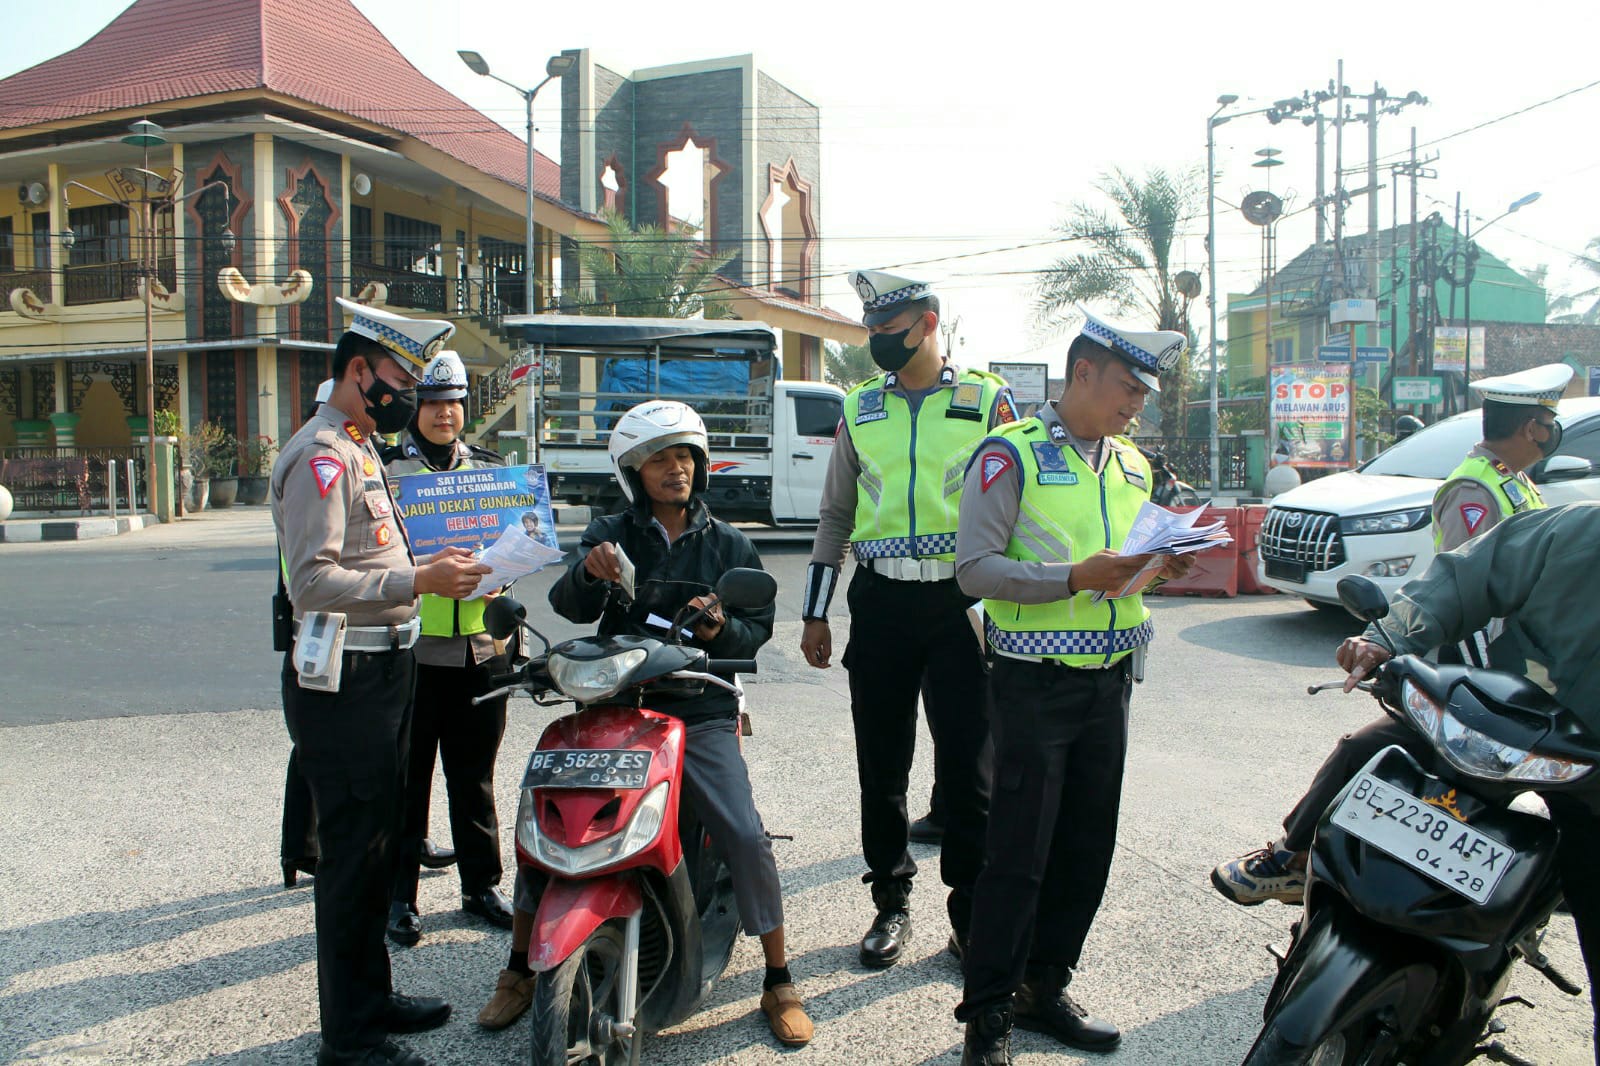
(1552, 441)
(389, 408)
(889, 350)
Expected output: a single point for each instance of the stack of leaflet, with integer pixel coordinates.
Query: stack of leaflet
(1159, 532)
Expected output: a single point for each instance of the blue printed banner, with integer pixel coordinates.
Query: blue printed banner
(470, 508)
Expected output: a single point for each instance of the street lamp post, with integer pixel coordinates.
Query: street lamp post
(1471, 268)
(1211, 272)
(145, 134)
(554, 68)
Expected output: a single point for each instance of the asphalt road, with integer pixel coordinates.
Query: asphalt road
(142, 920)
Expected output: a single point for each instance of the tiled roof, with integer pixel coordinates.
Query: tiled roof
(327, 55)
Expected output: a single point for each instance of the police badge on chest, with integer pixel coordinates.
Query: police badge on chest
(870, 408)
(1052, 464)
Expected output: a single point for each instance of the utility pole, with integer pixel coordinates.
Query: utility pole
(1322, 180)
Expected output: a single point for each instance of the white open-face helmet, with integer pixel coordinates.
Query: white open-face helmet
(445, 378)
(647, 429)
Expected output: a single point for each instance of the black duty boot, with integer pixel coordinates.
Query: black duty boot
(882, 945)
(988, 1040)
(1043, 1006)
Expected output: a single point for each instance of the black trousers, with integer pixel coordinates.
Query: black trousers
(467, 740)
(1060, 740)
(299, 839)
(908, 637)
(1350, 754)
(351, 748)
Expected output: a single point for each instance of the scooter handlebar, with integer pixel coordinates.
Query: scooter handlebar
(731, 666)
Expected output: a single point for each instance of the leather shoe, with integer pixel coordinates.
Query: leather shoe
(434, 857)
(988, 1038)
(890, 932)
(927, 830)
(786, 1015)
(490, 904)
(405, 926)
(293, 868)
(513, 994)
(1043, 1006)
(387, 1053)
(414, 1014)
(957, 947)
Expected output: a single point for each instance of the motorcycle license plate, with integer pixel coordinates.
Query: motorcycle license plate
(588, 768)
(1426, 838)
(1286, 570)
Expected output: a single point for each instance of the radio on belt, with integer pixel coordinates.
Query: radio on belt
(319, 650)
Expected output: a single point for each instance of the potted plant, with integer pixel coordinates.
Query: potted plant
(168, 424)
(224, 469)
(200, 447)
(255, 463)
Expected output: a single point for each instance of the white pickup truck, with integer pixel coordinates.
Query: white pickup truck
(770, 439)
(1377, 520)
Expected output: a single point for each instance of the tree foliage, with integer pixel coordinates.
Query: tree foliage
(845, 365)
(1125, 259)
(650, 272)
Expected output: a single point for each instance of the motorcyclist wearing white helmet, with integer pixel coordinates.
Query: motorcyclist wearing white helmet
(659, 456)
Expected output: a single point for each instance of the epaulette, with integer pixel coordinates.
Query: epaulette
(1501, 467)
(986, 376)
(486, 454)
(876, 381)
(391, 454)
(1027, 427)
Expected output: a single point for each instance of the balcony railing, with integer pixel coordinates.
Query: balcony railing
(36, 280)
(423, 292)
(98, 283)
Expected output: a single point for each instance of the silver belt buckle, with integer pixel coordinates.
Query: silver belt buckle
(910, 569)
(930, 569)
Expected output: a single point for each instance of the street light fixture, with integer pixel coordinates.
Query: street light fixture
(554, 67)
(165, 197)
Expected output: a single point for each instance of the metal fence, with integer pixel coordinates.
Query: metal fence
(1190, 459)
(73, 479)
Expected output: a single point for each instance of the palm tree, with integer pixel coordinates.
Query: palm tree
(1127, 262)
(651, 272)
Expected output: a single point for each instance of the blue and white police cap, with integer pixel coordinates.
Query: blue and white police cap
(1148, 352)
(882, 294)
(445, 378)
(412, 341)
(1543, 386)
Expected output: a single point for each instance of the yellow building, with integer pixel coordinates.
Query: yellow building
(286, 169)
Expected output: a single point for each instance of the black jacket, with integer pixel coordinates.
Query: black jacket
(666, 578)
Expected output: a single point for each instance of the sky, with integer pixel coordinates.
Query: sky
(954, 138)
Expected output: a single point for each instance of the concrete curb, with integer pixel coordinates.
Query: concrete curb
(32, 530)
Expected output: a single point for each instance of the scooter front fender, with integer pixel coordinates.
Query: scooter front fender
(1344, 970)
(570, 910)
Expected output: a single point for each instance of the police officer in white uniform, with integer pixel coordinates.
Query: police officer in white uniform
(347, 561)
(1048, 502)
(890, 497)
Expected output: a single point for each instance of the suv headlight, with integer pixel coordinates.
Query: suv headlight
(587, 680)
(1389, 522)
(1482, 756)
(638, 834)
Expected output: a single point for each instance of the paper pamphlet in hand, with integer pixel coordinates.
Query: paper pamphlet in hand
(1161, 532)
(502, 513)
(625, 564)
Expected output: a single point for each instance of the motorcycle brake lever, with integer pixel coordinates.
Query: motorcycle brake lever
(495, 694)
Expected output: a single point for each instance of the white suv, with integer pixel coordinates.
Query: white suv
(1377, 520)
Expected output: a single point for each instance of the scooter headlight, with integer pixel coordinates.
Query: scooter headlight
(588, 680)
(1480, 755)
(638, 834)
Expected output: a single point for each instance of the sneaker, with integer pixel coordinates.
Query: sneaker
(1274, 872)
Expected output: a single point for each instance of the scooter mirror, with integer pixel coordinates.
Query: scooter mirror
(747, 588)
(1363, 598)
(502, 616)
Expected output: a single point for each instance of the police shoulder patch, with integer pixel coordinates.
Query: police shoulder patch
(1005, 408)
(327, 470)
(1472, 515)
(994, 465)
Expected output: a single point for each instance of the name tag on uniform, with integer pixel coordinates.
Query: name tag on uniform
(1052, 464)
(378, 503)
(967, 402)
(1514, 493)
(870, 407)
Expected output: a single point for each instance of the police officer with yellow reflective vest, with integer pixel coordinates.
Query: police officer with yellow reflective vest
(455, 659)
(1047, 503)
(348, 677)
(1489, 486)
(891, 496)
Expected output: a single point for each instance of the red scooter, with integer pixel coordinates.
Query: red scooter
(637, 919)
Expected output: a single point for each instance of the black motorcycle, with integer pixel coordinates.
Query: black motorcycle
(1427, 884)
(1168, 489)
